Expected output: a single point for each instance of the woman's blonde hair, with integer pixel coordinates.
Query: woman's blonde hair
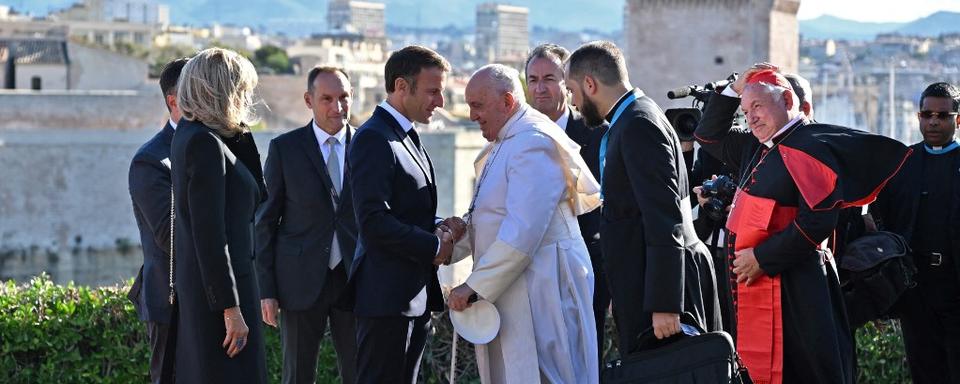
(216, 87)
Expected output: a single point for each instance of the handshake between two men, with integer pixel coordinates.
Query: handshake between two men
(450, 231)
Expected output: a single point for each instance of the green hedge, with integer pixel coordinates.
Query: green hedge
(76, 334)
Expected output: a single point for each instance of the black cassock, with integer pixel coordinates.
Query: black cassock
(791, 323)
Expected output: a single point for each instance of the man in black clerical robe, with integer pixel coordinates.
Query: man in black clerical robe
(795, 177)
(922, 203)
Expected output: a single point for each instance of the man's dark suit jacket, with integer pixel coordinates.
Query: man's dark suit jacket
(589, 141)
(647, 234)
(295, 225)
(395, 199)
(149, 183)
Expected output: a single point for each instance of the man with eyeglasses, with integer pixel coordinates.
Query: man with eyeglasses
(922, 203)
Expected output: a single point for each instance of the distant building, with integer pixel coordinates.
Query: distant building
(236, 37)
(55, 64)
(107, 22)
(121, 11)
(502, 34)
(673, 43)
(362, 58)
(357, 17)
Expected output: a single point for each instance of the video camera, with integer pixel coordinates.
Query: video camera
(685, 120)
(720, 192)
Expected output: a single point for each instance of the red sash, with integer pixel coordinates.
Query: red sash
(759, 312)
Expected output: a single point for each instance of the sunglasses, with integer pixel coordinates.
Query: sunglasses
(936, 115)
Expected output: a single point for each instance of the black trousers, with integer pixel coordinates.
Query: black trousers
(601, 296)
(389, 348)
(162, 351)
(302, 331)
(930, 319)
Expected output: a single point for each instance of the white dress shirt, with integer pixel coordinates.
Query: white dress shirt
(405, 123)
(564, 118)
(340, 136)
(325, 149)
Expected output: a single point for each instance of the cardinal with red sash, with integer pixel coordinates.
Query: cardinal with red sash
(795, 177)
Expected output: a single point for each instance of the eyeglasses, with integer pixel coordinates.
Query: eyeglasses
(936, 115)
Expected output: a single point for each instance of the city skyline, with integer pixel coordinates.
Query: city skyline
(608, 15)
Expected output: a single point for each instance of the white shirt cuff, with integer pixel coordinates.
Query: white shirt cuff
(728, 91)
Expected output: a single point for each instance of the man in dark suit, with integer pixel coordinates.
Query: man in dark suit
(922, 203)
(656, 266)
(306, 232)
(149, 180)
(544, 71)
(400, 243)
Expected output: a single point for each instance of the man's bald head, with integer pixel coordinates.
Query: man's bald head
(494, 93)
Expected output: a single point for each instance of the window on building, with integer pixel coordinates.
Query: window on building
(35, 83)
(99, 38)
(138, 37)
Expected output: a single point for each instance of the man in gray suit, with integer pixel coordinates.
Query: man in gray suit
(306, 232)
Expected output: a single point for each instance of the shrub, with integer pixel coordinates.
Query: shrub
(76, 334)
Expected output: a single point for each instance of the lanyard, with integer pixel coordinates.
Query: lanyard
(606, 135)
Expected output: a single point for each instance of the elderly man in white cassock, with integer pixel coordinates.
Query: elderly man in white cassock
(530, 260)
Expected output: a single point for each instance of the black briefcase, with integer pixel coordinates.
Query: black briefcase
(705, 358)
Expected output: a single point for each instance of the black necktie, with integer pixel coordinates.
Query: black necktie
(416, 138)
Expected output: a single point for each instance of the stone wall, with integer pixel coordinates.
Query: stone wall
(87, 69)
(112, 110)
(674, 43)
(66, 209)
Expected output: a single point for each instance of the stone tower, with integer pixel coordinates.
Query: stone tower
(673, 43)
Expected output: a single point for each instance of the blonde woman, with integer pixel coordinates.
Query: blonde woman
(217, 184)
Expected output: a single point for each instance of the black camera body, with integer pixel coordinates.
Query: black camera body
(720, 192)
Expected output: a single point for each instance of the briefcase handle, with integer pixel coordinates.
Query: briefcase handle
(648, 339)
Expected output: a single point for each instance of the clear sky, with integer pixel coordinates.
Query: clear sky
(875, 10)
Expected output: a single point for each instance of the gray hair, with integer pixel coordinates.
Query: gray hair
(505, 80)
(776, 92)
(548, 51)
(216, 87)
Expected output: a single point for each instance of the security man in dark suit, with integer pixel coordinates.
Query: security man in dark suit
(307, 232)
(922, 204)
(656, 266)
(149, 182)
(548, 94)
(401, 242)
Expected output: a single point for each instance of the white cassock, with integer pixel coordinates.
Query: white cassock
(530, 260)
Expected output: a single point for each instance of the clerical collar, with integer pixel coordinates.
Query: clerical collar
(792, 122)
(521, 110)
(939, 150)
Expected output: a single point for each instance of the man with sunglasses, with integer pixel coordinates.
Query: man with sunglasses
(922, 203)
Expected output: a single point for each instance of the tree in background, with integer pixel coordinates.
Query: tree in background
(272, 59)
(160, 56)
